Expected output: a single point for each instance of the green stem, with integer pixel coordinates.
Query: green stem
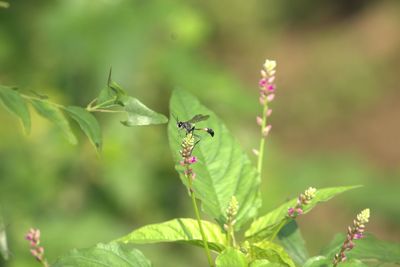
(196, 211)
(262, 141)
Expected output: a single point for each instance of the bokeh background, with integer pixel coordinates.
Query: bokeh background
(335, 118)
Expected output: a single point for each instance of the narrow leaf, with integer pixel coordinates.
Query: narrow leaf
(266, 226)
(88, 124)
(102, 255)
(139, 114)
(177, 230)
(14, 103)
(231, 258)
(271, 252)
(55, 116)
(368, 248)
(291, 239)
(223, 170)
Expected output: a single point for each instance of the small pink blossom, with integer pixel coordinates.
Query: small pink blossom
(262, 82)
(290, 212)
(269, 112)
(263, 100)
(192, 160)
(259, 120)
(270, 97)
(358, 236)
(271, 87)
(266, 130)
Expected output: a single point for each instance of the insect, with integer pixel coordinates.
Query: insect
(189, 125)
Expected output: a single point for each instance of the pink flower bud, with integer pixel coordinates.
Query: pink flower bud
(290, 212)
(299, 211)
(358, 236)
(255, 151)
(269, 112)
(271, 79)
(266, 130)
(262, 82)
(263, 73)
(262, 100)
(270, 97)
(192, 160)
(259, 120)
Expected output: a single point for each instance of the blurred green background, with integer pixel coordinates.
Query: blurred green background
(335, 118)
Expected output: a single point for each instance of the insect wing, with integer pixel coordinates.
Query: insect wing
(198, 117)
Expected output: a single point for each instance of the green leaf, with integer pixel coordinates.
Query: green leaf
(223, 170)
(231, 258)
(4, 251)
(291, 239)
(366, 248)
(88, 124)
(265, 263)
(322, 261)
(178, 230)
(14, 103)
(102, 255)
(271, 252)
(139, 114)
(110, 95)
(266, 227)
(55, 116)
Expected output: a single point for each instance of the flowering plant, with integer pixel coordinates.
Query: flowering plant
(219, 175)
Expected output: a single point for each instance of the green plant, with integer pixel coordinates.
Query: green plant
(219, 175)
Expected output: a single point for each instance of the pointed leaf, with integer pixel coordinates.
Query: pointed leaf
(102, 255)
(223, 170)
(366, 248)
(271, 252)
(266, 227)
(88, 124)
(231, 258)
(55, 116)
(291, 239)
(139, 114)
(177, 230)
(322, 261)
(14, 103)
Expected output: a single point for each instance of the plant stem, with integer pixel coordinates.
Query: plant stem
(196, 211)
(262, 141)
(42, 100)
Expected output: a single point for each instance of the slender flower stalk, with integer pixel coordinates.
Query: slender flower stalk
(267, 95)
(188, 144)
(231, 212)
(353, 232)
(303, 200)
(33, 236)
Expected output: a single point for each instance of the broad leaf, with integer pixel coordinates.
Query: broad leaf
(266, 227)
(367, 248)
(223, 170)
(88, 124)
(291, 239)
(322, 261)
(177, 230)
(55, 116)
(14, 103)
(231, 258)
(265, 263)
(139, 114)
(271, 252)
(102, 255)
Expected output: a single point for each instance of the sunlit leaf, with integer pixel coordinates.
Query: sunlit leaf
(112, 254)
(223, 170)
(139, 114)
(177, 230)
(231, 258)
(368, 248)
(266, 227)
(322, 261)
(291, 239)
(14, 103)
(88, 124)
(271, 252)
(55, 116)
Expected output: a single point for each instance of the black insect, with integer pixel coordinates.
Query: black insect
(189, 125)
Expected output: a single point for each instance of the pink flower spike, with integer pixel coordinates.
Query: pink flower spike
(270, 97)
(192, 160)
(262, 82)
(299, 211)
(271, 87)
(259, 120)
(269, 112)
(290, 212)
